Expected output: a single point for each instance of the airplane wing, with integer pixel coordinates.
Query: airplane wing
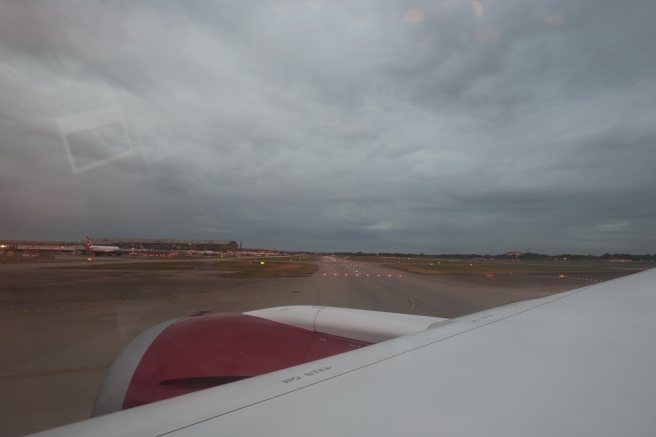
(581, 363)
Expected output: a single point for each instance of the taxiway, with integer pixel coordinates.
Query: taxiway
(60, 329)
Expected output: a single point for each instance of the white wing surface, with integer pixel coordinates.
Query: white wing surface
(581, 363)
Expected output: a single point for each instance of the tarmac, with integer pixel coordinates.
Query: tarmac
(60, 329)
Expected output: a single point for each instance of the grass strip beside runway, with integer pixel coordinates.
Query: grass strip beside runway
(266, 269)
(461, 268)
(252, 268)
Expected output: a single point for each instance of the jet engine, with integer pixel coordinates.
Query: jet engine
(210, 349)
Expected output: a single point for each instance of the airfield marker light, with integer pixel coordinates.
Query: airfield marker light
(389, 276)
(261, 262)
(335, 274)
(378, 275)
(471, 265)
(431, 263)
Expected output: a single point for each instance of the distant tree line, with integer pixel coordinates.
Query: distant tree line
(523, 256)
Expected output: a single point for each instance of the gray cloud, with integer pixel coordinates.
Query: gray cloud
(334, 125)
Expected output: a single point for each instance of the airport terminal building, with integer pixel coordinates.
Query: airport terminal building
(127, 244)
(170, 244)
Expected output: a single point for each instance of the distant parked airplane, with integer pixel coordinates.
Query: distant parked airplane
(102, 250)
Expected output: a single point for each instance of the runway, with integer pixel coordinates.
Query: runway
(60, 329)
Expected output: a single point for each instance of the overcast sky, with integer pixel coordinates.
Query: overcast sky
(374, 125)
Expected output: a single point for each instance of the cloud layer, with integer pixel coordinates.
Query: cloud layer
(462, 126)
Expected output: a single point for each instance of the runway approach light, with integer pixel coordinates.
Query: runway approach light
(261, 262)
(88, 259)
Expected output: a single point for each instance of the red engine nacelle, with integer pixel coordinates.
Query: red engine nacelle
(207, 350)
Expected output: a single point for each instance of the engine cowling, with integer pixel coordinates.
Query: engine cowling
(210, 349)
